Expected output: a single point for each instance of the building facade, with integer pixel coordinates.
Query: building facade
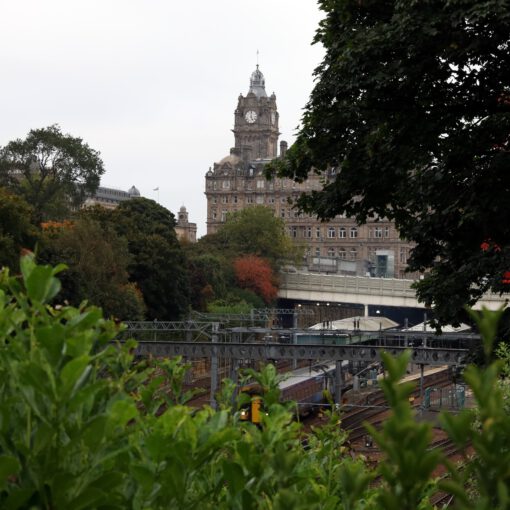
(237, 181)
(110, 198)
(185, 230)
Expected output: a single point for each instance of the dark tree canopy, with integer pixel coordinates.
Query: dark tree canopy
(410, 120)
(158, 264)
(97, 260)
(16, 230)
(51, 170)
(255, 231)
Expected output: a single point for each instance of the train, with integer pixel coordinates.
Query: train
(308, 387)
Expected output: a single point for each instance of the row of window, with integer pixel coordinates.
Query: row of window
(250, 199)
(308, 232)
(340, 253)
(260, 184)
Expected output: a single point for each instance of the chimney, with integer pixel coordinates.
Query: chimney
(283, 148)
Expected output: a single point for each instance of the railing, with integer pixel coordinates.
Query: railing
(367, 286)
(348, 284)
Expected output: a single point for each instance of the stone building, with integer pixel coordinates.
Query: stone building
(185, 230)
(237, 181)
(110, 198)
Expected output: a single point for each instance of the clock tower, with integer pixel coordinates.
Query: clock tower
(256, 121)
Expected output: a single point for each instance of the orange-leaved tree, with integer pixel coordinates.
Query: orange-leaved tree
(255, 273)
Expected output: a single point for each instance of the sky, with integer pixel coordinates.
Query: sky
(153, 84)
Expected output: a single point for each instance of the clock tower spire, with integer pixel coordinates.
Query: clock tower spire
(256, 120)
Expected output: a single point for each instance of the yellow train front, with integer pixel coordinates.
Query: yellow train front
(252, 407)
(305, 386)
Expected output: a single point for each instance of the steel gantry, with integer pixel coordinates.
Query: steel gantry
(216, 340)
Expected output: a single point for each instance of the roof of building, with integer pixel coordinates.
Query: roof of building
(258, 83)
(232, 159)
(448, 328)
(365, 324)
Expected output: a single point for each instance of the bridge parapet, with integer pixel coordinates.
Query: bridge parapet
(361, 290)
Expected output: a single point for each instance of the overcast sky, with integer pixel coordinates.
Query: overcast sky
(152, 84)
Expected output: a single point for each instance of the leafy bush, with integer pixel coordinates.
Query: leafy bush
(82, 426)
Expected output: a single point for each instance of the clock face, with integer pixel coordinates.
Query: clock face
(250, 116)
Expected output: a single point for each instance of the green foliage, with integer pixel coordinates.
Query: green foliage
(63, 431)
(250, 232)
(209, 276)
(487, 431)
(157, 264)
(229, 306)
(83, 427)
(409, 461)
(409, 120)
(97, 259)
(52, 171)
(16, 228)
(256, 231)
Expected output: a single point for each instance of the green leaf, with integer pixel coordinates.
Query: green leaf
(17, 498)
(41, 285)
(9, 466)
(74, 375)
(120, 413)
(234, 475)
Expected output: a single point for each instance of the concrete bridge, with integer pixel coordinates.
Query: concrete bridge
(366, 291)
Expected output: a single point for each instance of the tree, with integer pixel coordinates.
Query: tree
(256, 231)
(255, 273)
(97, 259)
(208, 277)
(410, 120)
(16, 229)
(53, 171)
(158, 264)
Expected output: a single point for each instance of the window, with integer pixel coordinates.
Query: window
(261, 184)
(353, 232)
(308, 232)
(342, 253)
(214, 185)
(260, 199)
(317, 252)
(331, 252)
(235, 199)
(378, 232)
(270, 200)
(293, 232)
(386, 231)
(224, 215)
(331, 232)
(403, 255)
(282, 212)
(317, 232)
(353, 254)
(226, 185)
(214, 200)
(283, 200)
(249, 199)
(224, 199)
(342, 234)
(214, 215)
